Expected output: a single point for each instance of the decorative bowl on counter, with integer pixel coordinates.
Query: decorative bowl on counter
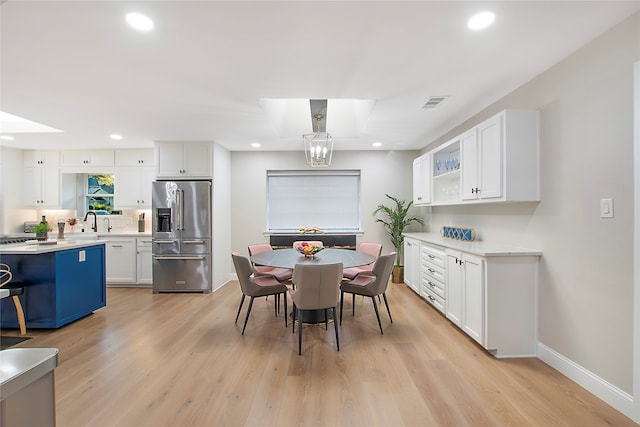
(308, 249)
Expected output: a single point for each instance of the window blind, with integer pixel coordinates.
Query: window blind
(329, 200)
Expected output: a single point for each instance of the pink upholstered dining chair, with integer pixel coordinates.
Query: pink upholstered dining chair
(373, 249)
(282, 274)
(370, 284)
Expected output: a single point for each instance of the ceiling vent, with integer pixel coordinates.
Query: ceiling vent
(434, 101)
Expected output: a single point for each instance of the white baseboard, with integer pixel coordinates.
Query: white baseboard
(612, 395)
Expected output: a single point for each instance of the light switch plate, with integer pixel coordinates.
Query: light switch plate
(606, 208)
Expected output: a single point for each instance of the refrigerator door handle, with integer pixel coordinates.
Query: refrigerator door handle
(179, 257)
(164, 242)
(180, 208)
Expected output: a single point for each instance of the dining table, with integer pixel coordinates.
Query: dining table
(289, 258)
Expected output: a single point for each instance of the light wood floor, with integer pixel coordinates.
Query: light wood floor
(179, 360)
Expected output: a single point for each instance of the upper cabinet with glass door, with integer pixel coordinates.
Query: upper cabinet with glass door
(495, 161)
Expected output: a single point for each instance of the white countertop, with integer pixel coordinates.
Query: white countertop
(480, 248)
(51, 245)
(20, 367)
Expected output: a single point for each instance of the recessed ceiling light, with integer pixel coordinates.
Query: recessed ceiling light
(255, 144)
(377, 144)
(139, 21)
(481, 20)
(115, 136)
(7, 137)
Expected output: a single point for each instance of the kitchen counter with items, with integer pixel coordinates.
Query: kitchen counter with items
(473, 247)
(488, 290)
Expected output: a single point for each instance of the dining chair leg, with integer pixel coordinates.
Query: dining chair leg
(335, 324)
(384, 295)
(293, 323)
(240, 308)
(285, 309)
(300, 335)
(375, 306)
(353, 304)
(326, 319)
(248, 313)
(341, 305)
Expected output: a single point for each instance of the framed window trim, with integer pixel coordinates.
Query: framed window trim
(291, 203)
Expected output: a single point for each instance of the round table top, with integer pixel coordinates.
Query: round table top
(288, 258)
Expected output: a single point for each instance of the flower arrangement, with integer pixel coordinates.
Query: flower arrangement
(308, 249)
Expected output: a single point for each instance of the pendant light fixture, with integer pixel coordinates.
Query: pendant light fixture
(318, 146)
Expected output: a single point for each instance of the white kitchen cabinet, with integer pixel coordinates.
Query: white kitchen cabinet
(422, 180)
(48, 159)
(465, 293)
(412, 264)
(493, 300)
(495, 161)
(500, 158)
(133, 187)
(41, 187)
(183, 160)
(446, 173)
(87, 158)
(144, 261)
(121, 260)
(432, 276)
(134, 157)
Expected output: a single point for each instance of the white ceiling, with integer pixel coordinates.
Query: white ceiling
(201, 74)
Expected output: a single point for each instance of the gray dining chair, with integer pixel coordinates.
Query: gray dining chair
(252, 286)
(316, 288)
(370, 284)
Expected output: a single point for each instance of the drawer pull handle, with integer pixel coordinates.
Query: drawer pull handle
(431, 256)
(116, 246)
(431, 270)
(432, 299)
(431, 284)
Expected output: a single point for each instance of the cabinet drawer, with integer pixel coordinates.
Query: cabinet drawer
(433, 256)
(435, 286)
(430, 270)
(433, 299)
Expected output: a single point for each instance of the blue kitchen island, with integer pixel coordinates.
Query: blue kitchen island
(63, 281)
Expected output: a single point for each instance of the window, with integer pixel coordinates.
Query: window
(329, 200)
(100, 192)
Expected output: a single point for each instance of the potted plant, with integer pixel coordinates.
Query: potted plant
(395, 220)
(41, 231)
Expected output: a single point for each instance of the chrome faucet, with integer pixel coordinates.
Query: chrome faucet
(94, 227)
(108, 221)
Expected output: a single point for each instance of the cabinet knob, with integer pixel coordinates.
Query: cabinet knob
(431, 284)
(432, 299)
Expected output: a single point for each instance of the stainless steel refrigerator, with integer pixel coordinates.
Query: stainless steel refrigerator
(181, 223)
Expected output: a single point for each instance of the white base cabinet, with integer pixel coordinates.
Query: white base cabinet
(145, 262)
(128, 261)
(493, 300)
(489, 291)
(412, 264)
(121, 260)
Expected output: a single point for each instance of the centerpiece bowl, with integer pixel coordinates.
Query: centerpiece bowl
(307, 249)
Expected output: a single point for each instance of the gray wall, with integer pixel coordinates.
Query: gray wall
(586, 274)
(381, 172)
